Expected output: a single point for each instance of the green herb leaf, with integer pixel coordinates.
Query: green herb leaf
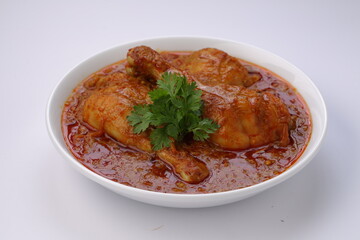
(203, 129)
(159, 139)
(157, 93)
(140, 118)
(175, 112)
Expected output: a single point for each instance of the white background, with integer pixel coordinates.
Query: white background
(42, 197)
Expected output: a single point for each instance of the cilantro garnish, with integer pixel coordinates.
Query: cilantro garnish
(175, 112)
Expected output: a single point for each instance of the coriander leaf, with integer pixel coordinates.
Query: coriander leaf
(188, 89)
(157, 93)
(171, 82)
(140, 118)
(163, 111)
(194, 101)
(172, 131)
(178, 102)
(204, 128)
(159, 139)
(175, 112)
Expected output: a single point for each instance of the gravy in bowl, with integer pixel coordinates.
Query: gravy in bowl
(229, 169)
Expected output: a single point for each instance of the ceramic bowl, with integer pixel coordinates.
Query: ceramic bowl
(261, 57)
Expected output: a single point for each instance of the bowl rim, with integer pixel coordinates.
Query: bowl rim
(253, 188)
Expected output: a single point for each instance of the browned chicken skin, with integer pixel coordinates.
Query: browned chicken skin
(247, 118)
(211, 67)
(107, 110)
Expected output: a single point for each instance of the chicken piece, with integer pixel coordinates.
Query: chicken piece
(99, 81)
(211, 67)
(107, 110)
(247, 118)
(145, 63)
(186, 167)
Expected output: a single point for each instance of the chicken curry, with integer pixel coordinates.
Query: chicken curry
(263, 125)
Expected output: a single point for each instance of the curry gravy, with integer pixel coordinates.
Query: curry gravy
(229, 169)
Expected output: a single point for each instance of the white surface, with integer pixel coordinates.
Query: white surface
(247, 52)
(42, 197)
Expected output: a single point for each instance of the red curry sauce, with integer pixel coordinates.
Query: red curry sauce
(229, 169)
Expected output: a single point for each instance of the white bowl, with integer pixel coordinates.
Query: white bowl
(247, 52)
